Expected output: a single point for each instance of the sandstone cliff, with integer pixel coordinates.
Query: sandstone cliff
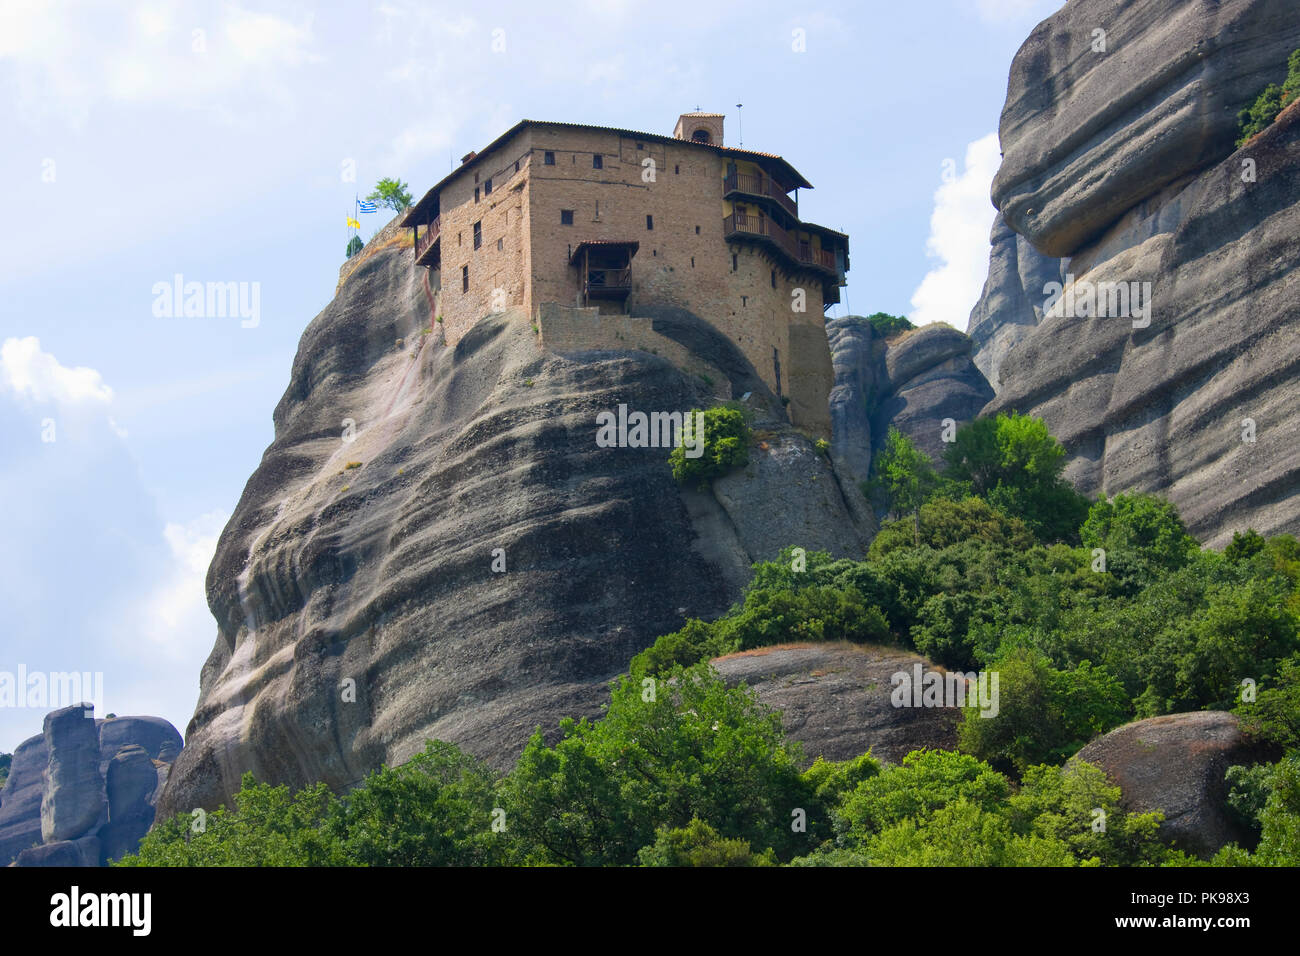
(357, 606)
(1123, 161)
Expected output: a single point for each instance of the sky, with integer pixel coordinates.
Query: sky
(225, 142)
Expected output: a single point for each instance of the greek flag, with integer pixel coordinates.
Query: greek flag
(365, 206)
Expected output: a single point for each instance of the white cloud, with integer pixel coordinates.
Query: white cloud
(35, 374)
(175, 617)
(959, 237)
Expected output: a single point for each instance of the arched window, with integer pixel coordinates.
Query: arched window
(700, 136)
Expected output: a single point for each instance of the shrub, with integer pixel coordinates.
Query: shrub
(1142, 536)
(698, 844)
(887, 325)
(725, 442)
(354, 246)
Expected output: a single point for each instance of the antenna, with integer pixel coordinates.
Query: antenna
(740, 113)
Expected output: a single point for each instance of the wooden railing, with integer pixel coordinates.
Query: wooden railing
(616, 281)
(428, 237)
(754, 185)
(800, 250)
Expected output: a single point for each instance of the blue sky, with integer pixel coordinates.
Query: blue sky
(143, 140)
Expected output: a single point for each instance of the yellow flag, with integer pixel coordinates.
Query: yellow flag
(353, 224)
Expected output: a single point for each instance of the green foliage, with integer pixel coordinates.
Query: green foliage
(355, 245)
(1274, 715)
(433, 810)
(726, 441)
(5, 761)
(1016, 464)
(887, 325)
(1142, 536)
(904, 476)
(1279, 843)
(945, 522)
(1291, 85)
(267, 827)
(698, 844)
(1260, 114)
(391, 193)
(832, 780)
(1044, 714)
(1248, 791)
(698, 749)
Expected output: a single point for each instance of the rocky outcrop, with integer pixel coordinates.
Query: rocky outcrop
(1013, 299)
(1125, 163)
(1107, 104)
(1176, 764)
(912, 383)
(835, 699)
(461, 561)
(73, 801)
(87, 776)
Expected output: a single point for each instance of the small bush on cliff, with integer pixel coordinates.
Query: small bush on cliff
(355, 245)
(887, 325)
(725, 442)
(1260, 115)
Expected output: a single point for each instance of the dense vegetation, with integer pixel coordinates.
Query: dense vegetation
(1273, 100)
(5, 760)
(1093, 614)
(726, 437)
(887, 325)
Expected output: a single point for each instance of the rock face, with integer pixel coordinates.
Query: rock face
(1199, 405)
(1013, 299)
(358, 609)
(130, 785)
(23, 794)
(73, 800)
(1177, 764)
(835, 699)
(1088, 133)
(912, 383)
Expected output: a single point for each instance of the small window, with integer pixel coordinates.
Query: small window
(548, 158)
(744, 301)
(516, 165)
(701, 136)
(649, 222)
(459, 239)
(640, 145)
(499, 245)
(773, 278)
(566, 217)
(464, 278)
(597, 161)
(692, 262)
(697, 230)
(487, 186)
(677, 170)
(735, 262)
(476, 194)
(478, 236)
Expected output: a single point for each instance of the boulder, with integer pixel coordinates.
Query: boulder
(835, 699)
(131, 784)
(84, 851)
(1176, 764)
(73, 801)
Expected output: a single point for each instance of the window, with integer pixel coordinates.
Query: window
(478, 236)
(692, 262)
(464, 278)
(701, 136)
(640, 145)
(773, 278)
(596, 218)
(487, 186)
(677, 170)
(499, 245)
(597, 161)
(548, 158)
(566, 217)
(476, 194)
(649, 222)
(697, 230)
(735, 262)
(516, 165)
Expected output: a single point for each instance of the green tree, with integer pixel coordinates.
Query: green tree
(355, 245)
(1142, 536)
(391, 193)
(887, 325)
(1274, 715)
(945, 522)
(698, 844)
(906, 476)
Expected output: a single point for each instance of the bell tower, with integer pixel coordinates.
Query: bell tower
(699, 127)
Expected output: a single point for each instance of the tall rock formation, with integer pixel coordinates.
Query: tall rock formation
(1120, 156)
(434, 546)
(78, 794)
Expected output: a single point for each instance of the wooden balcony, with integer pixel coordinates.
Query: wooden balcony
(427, 242)
(607, 283)
(764, 187)
(800, 251)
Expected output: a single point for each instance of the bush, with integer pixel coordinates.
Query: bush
(355, 245)
(698, 844)
(945, 522)
(725, 442)
(887, 325)
(1142, 536)
(1273, 100)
